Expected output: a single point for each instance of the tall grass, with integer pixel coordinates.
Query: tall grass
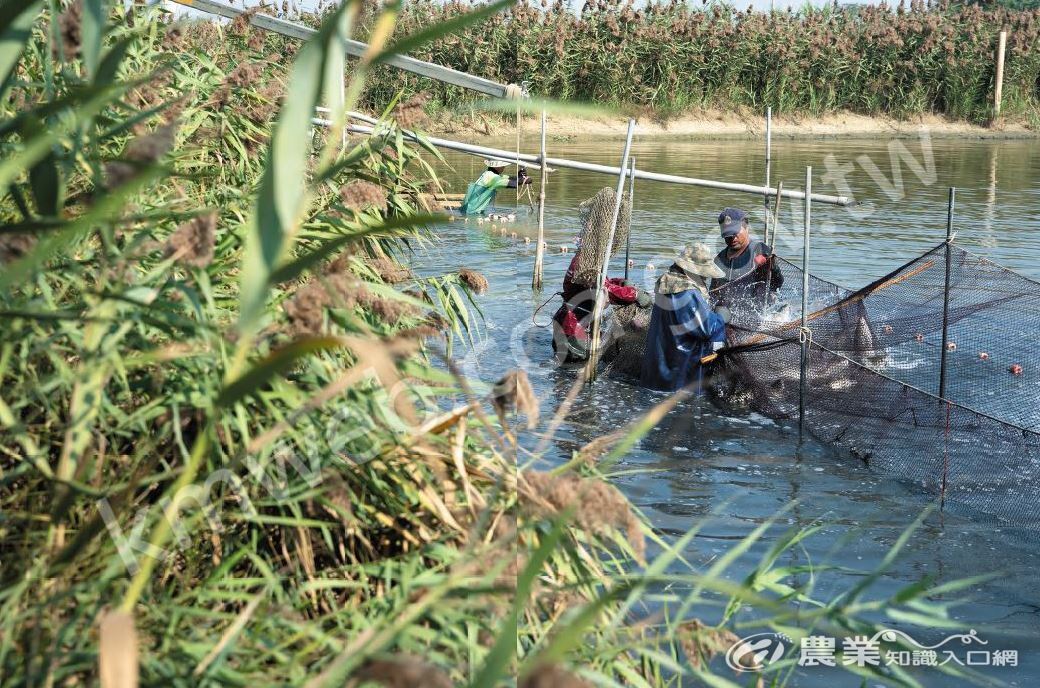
(225, 455)
(671, 57)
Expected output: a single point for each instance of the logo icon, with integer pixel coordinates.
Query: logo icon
(755, 652)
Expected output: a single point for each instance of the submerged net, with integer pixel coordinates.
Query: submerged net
(873, 375)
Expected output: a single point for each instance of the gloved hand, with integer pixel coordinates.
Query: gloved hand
(644, 299)
(521, 176)
(724, 313)
(761, 261)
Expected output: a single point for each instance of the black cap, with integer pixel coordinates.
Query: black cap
(731, 220)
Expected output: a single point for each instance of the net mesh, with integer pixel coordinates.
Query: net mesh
(873, 375)
(595, 215)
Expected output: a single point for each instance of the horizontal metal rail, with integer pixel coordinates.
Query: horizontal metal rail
(357, 49)
(592, 167)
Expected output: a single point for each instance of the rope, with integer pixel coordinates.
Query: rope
(805, 335)
(539, 310)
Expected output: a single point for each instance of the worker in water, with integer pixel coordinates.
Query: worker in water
(684, 331)
(747, 263)
(573, 321)
(481, 193)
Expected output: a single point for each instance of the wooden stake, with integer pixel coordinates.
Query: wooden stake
(597, 310)
(999, 90)
(539, 251)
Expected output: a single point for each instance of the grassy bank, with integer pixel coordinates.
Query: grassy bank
(666, 59)
(227, 454)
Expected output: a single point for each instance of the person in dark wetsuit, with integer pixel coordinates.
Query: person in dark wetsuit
(745, 259)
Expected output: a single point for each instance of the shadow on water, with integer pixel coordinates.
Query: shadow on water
(738, 470)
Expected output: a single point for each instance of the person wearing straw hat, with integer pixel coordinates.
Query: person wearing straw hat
(683, 329)
(481, 193)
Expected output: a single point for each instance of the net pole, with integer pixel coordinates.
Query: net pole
(803, 335)
(597, 310)
(632, 205)
(769, 152)
(539, 251)
(946, 294)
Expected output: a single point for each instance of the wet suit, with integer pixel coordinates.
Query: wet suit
(683, 330)
(481, 193)
(753, 267)
(570, 336)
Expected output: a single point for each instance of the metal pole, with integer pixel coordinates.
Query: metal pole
(769, 153)
(539, 251)
(597, 310)
(632, 206)
(946, 294)
(601, 169)
(803, 334)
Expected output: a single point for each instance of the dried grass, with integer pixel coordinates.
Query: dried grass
(194, 241)
(597, 506)
(473, 280)
(514, 392)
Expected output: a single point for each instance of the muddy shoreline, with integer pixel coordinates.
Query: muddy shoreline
(725, 126)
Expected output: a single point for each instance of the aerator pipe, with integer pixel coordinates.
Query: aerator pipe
(804, 334)
(946, 294)
(601, 169)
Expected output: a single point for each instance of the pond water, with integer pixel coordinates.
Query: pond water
(734, 472)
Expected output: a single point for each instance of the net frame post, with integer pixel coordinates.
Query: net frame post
(769, 161)
(539, 251)
(804, 333)
(950, 204)
(597, 310)
(632, 205)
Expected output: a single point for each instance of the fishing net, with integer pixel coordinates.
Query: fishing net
(873, 375)
(625, 341)
(595, 215)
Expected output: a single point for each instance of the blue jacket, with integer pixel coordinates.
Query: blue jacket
(683, 330)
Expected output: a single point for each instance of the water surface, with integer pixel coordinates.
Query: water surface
(738, 471)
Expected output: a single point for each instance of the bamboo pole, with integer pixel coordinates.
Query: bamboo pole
(946, 294)
(632, 207)
(601, 169)
(539, 251)
(998, 91)
(803, 335)
(597, 309)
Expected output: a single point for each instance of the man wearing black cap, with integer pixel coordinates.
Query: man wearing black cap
(745, 260)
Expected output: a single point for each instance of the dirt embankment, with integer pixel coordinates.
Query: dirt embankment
(729, 125)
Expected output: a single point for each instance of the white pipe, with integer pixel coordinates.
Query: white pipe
(486, 152)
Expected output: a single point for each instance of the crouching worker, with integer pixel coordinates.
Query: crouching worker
(481, 193)
(572, 323)
(683, 329)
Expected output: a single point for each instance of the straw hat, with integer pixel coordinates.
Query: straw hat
(698, 260)
(496, 163)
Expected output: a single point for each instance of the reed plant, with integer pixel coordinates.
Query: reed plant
(227, 454)
(667, 58)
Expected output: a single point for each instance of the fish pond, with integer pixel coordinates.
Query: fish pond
(727, 473)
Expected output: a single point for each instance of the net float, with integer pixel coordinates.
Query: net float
(887, 329)
(951, 346)
(1015, 369)
(918, 337)
(527, 240)
(512, 235)
(651, 267)
(983, 356)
